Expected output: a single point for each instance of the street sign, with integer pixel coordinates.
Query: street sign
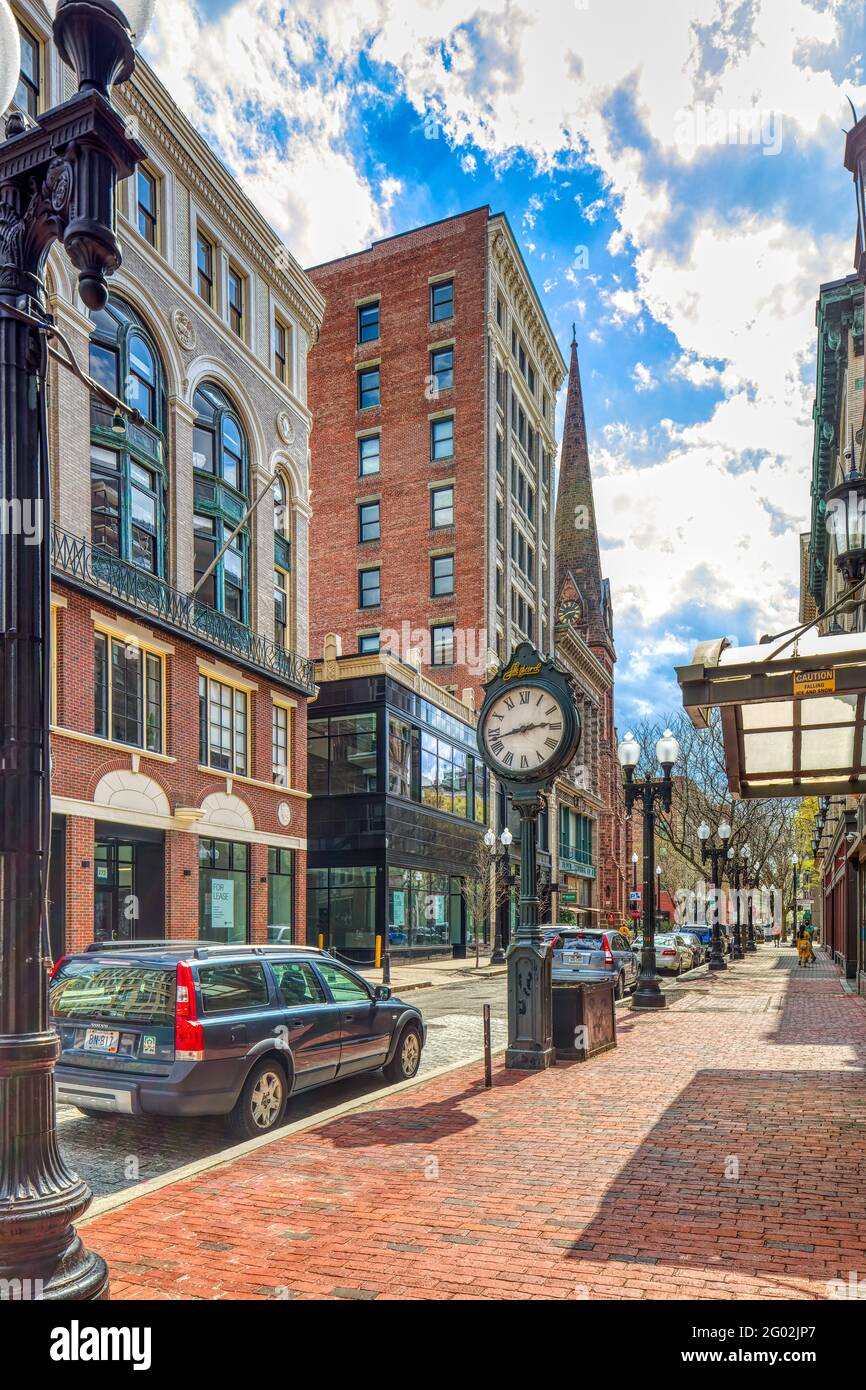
(815, 682)
(566, 898)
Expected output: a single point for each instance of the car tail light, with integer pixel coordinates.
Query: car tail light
(668, 951)
(608, 953)
(188, 1033)
(554, 942)
(56, 966)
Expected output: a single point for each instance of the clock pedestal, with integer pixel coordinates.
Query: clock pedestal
(530, 964)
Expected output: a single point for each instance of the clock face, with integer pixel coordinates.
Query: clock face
(524, 730)
(569, 612)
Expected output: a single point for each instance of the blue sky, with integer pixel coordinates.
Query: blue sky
(686, 239)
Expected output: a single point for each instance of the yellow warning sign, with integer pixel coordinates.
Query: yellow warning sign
(814, 682)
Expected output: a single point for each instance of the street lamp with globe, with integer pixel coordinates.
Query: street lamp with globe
(649, 792)
(717, 854)
(499, 858)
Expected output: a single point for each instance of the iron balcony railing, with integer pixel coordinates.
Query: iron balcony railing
(77, 561)
(574, 860)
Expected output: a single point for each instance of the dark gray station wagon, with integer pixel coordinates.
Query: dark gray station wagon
(186, 1028)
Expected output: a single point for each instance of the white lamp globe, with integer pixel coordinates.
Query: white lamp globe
(10, 56)
(634, 857)
(724, 831)
(667, 749)
(506, 837)
(747, 851)
(703, 831)
(629, 751)
(489, 839)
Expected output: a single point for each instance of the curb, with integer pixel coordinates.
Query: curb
(450, 984)
(101, 1205)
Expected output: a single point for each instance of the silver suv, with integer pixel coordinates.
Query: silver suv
(592, 954)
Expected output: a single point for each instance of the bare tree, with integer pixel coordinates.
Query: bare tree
(483, 889)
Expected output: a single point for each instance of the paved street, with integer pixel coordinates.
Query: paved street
(716, 1153)
(116, 1153)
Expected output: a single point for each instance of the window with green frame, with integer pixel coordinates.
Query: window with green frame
(128, 480)
(221, 463)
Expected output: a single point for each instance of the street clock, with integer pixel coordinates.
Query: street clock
(529, 727)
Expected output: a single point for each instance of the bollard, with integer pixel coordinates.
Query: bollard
(386, 967)
(488, 1057)
(378, 960)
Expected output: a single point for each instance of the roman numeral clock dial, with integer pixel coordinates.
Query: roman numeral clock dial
(524, 730)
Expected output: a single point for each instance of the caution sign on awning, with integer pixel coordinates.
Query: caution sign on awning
(815, 682)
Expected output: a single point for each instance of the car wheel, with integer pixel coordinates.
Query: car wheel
(407, 1057)
(261, 1103)
(619, 992)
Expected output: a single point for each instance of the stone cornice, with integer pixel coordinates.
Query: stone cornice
(575, 654)
(355, 667)
(213, 186)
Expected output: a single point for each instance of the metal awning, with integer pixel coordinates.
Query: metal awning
(792, 712)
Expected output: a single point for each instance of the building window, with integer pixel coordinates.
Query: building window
(442, 438)
(442, 644)
(224, 898)
(204, 254)
(341, 755)
(441, 301)
(147, 194)
(223, 723)
(368, 388)
(368, 644)
(280, 745)
(341, 909)
(30, 77)
(128, 482)
(281, 920)
(368, 322)
(442, 368)
(237, 299)
(441, 507)
(369, 456)
(441, 575)
(281, 351)
(368, 522)
(500, 311)
(220, 459)
(369, 588)
(281, 609)
(128, 693)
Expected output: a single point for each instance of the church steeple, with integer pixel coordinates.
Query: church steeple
(578, 561)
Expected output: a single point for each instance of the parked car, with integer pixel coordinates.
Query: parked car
(187, 1028)
(590, 953)
(673, 953)
(699, 950)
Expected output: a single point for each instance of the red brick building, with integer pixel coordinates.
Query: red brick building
(433, 389)
(179, 604)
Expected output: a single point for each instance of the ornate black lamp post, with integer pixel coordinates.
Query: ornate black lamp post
(500, 859)
(717, 855)
(739, 874)
(647, 792)
(752, 881)
(795, 865)
(58, 179)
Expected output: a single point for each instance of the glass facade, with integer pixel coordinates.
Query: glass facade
(425, 910)
(281, 896)
(341, 754)
(341, 910)
(224, 891)
(425, 767)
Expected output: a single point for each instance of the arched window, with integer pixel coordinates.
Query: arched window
(221, 462)
(128, 479)
(282, 563)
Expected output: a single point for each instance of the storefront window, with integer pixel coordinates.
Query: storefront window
(341, 910)
(421, 909)
(281, 895)
(223, 891)
(342, 755)
(400, 740)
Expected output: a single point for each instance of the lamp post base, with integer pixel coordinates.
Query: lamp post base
(649, 996)
(497, 955)
(713, 964)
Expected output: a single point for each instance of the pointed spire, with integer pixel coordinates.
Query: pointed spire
(578, 561)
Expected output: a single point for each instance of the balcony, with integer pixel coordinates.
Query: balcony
(573, 859)
(97, 572)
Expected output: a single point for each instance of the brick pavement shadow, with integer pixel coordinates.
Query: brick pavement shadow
(754, 1173)
(406, 1124)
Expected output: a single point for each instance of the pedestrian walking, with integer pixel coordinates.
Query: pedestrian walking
(804, 947)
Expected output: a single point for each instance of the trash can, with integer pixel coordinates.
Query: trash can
(584, 1019)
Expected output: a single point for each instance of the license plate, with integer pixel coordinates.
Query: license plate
(574, 958)
(99, 1040)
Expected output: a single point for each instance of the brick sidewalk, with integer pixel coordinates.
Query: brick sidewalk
(718, 1152)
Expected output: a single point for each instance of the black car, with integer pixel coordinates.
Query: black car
(190, 1028)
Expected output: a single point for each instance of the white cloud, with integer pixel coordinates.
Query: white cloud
(643, 378)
